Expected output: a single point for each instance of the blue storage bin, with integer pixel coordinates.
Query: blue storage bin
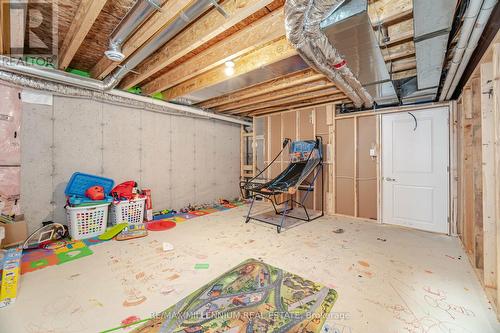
(80, 182)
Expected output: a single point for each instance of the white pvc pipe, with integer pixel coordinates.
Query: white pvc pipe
(476, 17)
(481, 22)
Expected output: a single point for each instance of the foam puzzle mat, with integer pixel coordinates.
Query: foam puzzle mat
(67, 251)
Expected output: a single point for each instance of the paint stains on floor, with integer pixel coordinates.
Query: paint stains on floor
(363, 263)
(130, 320)
(134, 302)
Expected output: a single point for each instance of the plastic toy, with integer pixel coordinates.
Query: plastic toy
(95, 193)
(124, 191)
(79, 183)
(10, 276)
(160, 225)
(45, 235)
(132, 231)
(113, 231)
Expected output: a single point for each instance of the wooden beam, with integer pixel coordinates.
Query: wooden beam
(283, 82)
(248, 39)
(404, 74)
(313, 102)
(496, 120)
(204, 29)
(288, 100)
(82, 22)
(269, 54)
(4, 27)
(403, 65)
(157, 22)
(292, 91)
(394, 19)
(398, 40)
(488, 171)
(402, 51)
(477, 177)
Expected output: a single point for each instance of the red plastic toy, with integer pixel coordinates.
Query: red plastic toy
(95, 193)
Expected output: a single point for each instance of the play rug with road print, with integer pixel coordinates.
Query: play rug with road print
(252, 297)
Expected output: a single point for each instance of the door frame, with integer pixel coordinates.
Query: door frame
(451, 147)
(452, 174)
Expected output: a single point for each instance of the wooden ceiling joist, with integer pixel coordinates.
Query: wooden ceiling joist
(160, 19)
(292, 91)
(250, 38)
(87, 13)
(404, 74)
(394, 19)
(304, 104)
(287, 101)
(271, 86)
(267, 55)
(204, 29)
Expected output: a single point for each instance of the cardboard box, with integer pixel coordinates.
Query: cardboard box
(15, 233)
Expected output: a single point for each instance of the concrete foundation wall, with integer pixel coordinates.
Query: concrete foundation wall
(183, 160)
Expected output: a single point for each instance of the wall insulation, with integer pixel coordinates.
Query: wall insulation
(183, 160)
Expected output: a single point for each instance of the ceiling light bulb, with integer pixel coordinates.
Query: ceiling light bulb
(229, 71)
(230, 64)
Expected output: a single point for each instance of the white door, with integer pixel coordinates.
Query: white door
(415, 161)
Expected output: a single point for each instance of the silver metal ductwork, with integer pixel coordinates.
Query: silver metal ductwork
(182, 21)
(303, 22)
(350, 29)
(133, 20)
(432, 21)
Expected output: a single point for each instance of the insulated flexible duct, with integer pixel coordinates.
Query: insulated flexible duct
(302, 23)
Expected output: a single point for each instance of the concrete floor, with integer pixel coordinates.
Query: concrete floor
(388, 279)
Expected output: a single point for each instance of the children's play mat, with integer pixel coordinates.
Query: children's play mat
(252, 297)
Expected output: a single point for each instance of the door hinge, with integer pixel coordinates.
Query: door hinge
(449, 220)
(448, 169)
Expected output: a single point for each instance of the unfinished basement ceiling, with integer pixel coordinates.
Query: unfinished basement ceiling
(191, 66)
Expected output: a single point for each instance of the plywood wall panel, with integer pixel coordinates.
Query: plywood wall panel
(306, 124)
(321, 120)
(275, 131)
(345, 168)
(289, 128)
(366, 167)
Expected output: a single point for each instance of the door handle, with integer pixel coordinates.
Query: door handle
(387, 179)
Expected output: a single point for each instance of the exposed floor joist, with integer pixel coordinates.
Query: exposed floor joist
(201, 31)
(287, 92)
(304, 104)
(261, 32)
(87, 13)
(288, 100)
(268, 54)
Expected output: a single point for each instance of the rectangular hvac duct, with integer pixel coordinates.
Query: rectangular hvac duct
(432, 24)
(350, 31)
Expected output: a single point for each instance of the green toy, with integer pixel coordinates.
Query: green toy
(113, 231)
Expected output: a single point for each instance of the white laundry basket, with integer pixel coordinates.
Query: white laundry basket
(87, 222)
(131, 212)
